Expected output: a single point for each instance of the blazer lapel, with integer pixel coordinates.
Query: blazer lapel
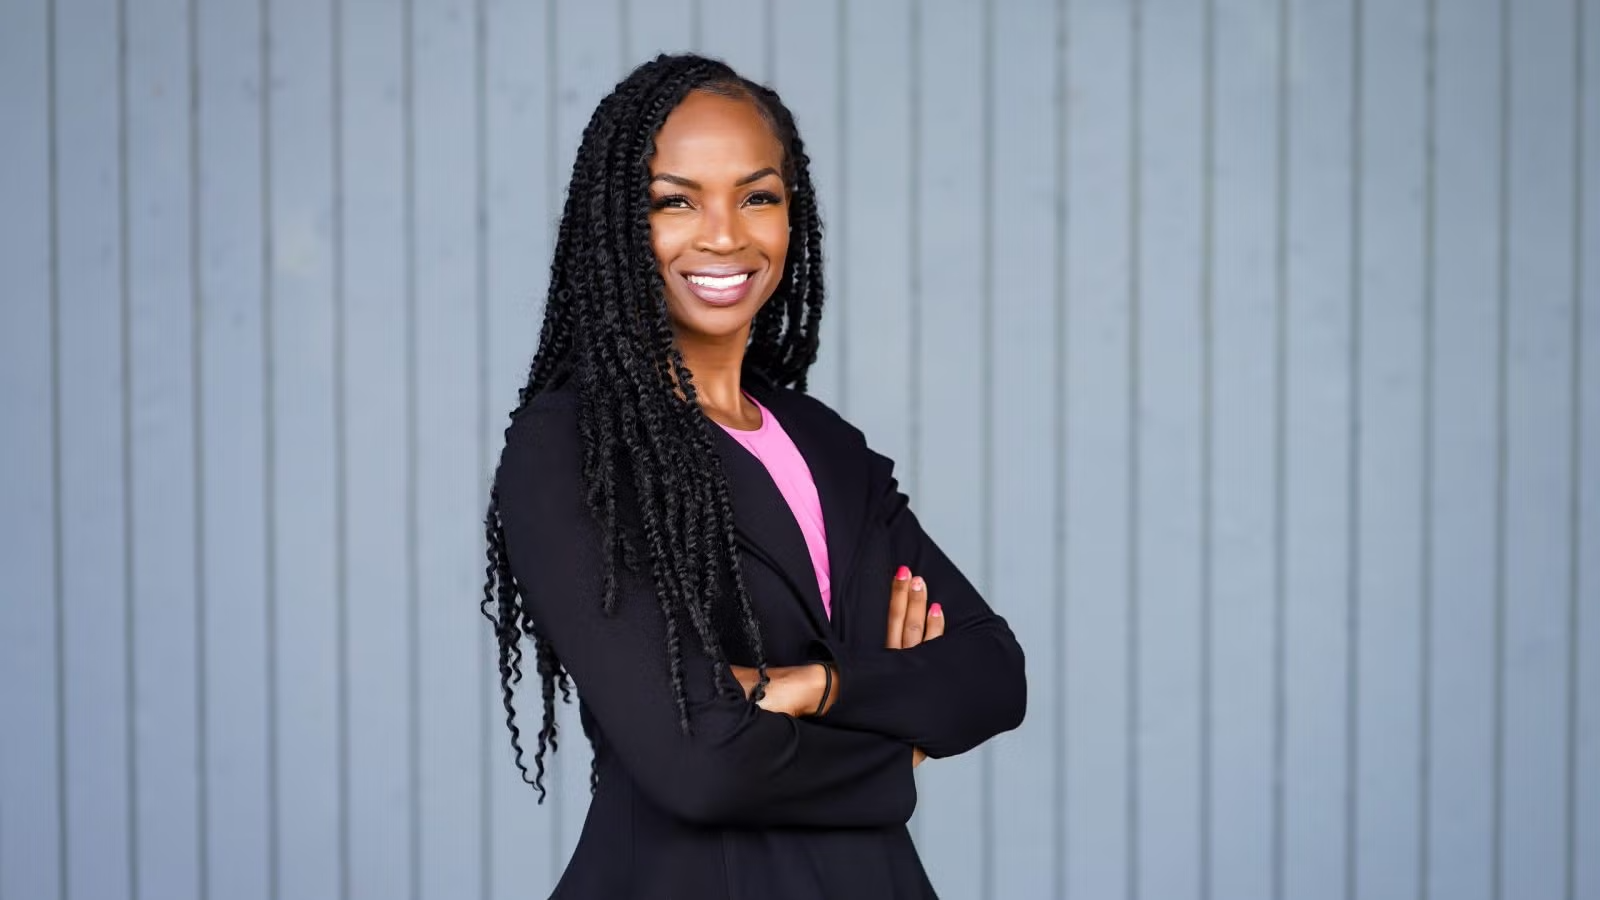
(764, 524)
(837, 457)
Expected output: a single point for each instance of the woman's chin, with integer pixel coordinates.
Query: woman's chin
(699, 321)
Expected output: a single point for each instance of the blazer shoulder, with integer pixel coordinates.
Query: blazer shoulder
(543, 441)
(818, 413)
(549, 414)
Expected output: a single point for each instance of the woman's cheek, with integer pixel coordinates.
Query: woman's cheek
(662, 243)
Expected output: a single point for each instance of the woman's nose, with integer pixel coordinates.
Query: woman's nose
(720, 230)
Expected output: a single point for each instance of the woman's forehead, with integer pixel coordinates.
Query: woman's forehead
(708, 131)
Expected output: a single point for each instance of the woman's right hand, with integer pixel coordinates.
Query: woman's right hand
(911, 621)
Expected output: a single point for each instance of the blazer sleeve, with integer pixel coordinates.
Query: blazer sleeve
(947, 695)
(738, 765)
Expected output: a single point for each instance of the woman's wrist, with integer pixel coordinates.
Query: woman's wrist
(822, 687)
(800, 691)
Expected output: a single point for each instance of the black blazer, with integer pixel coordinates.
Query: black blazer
(754, 804)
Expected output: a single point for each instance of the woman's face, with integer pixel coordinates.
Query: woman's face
(719, 218)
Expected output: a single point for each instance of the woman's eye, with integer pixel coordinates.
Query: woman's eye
(671, 201)
(764, 198)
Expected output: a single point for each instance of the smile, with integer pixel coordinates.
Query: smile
(712, 281)
(720, 290)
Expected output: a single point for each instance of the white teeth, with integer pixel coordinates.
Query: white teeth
(719, 283)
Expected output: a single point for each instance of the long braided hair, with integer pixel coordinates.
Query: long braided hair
(606, 331)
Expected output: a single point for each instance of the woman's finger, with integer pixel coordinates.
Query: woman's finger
(935, 622)
(916, 614)
(898, 589)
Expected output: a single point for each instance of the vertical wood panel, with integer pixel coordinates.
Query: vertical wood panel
(1167, 506)
(307, 596)
(874, 308)
(655, 26)
(162, 485)
(445, 254)
(523, 196)
(948, 313)
(1584, 733)
(806, 70)
(1098, 696)
(588, 65)
(1389, 286)
(373, 415)
(30, 817)
(1321, 420)
(230, 220)
(1244, 313)
(735, 31)
(1024, 281)
(1537, 318)
(1463, 260)
(90, 193)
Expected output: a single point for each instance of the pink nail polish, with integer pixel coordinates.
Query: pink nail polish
(918, 584)
(935, 610)
(902, 573)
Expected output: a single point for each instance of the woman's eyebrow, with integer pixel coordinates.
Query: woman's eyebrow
(756, 176)
(693, 185)
(678, 180)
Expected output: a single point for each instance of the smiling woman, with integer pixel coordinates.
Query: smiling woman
(729, 575)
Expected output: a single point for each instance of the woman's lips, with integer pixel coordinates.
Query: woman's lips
(720, 290)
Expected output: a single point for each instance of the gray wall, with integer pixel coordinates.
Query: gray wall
(1247, 352)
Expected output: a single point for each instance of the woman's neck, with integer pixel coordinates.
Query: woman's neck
(717, 369)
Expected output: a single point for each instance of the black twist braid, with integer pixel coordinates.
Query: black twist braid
(644, 437)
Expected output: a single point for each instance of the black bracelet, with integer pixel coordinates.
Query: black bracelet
(827, 688)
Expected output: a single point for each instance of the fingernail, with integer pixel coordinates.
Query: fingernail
(935, 611)
(902, 573)
(918, 584)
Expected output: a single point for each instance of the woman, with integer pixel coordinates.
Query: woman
(725, 570)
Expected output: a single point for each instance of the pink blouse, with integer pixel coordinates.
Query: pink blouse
(772, 445)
